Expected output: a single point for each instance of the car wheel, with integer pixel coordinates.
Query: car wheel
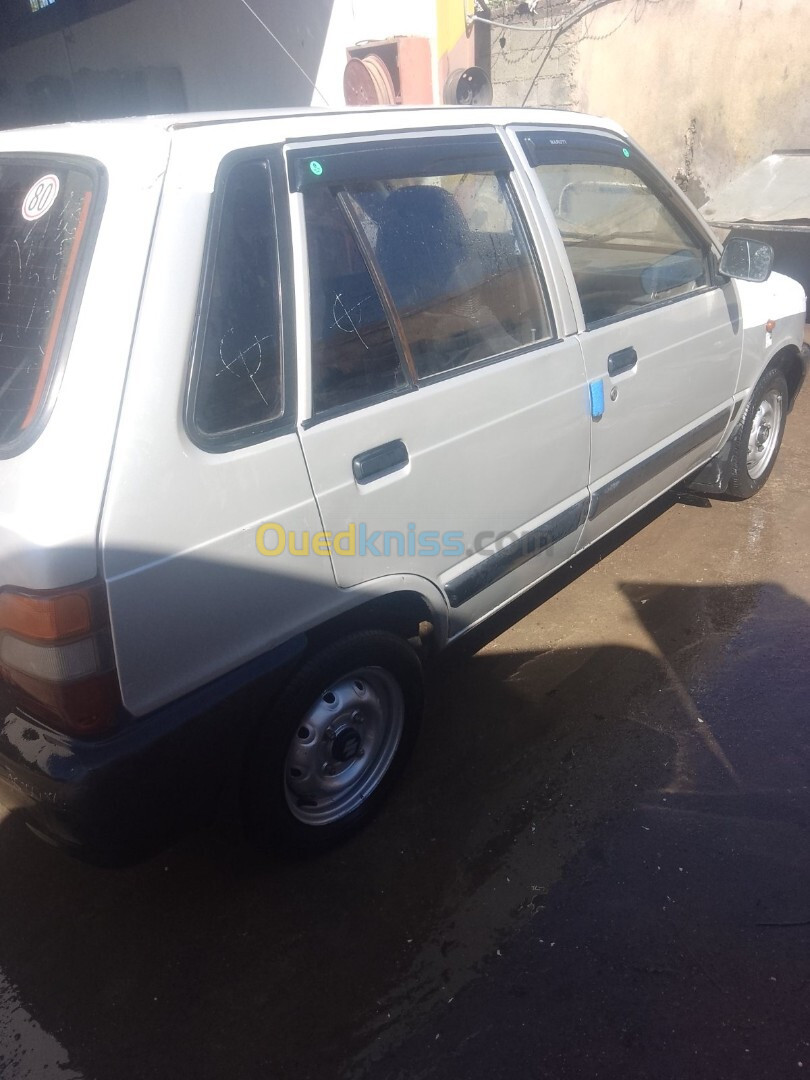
(339, 734)
(760, 435)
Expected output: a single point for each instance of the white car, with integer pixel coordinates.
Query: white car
(286, 398)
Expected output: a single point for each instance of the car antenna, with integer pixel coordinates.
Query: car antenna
(285, 50)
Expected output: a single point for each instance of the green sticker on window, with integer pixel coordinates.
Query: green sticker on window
(315, 168)
(625, 151)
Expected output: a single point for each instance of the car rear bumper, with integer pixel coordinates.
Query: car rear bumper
(123, 797)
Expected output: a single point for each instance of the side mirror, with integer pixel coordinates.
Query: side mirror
(747, 260)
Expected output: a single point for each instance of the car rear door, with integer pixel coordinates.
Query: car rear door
(660, 331)
(445, 429)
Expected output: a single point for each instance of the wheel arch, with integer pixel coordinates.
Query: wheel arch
(714, 477)
(398, 604)
(793, 366)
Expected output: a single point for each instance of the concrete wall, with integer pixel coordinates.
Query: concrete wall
(527, 69)
(706, 86)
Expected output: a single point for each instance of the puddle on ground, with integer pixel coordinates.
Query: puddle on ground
(26, 1051)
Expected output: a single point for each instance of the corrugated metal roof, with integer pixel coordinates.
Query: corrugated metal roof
(774, 191)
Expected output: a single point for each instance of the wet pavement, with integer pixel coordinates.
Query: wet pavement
(597, 864)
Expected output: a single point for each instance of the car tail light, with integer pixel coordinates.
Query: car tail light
(56, 649)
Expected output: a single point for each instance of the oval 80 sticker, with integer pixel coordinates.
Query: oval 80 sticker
(40, 198)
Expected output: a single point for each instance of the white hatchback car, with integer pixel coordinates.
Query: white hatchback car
(285, 397)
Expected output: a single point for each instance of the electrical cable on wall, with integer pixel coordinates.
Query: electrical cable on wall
(512, 26)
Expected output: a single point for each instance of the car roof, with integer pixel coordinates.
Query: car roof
(343, 119)
(135, 151)
(282, 123)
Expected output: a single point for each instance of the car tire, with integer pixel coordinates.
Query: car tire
(340, 733)
(759, 436)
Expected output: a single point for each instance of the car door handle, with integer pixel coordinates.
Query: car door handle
(623, 360)
(381, 460)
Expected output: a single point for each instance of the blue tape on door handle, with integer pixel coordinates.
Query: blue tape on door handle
(597, 391)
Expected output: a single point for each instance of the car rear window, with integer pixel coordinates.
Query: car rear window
(44, 213)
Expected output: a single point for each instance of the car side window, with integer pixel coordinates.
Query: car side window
(454, 256)
(239, 373)
(628, 250)
(354, 354)
(419, 264)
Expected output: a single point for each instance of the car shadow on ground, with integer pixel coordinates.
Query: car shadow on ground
(208, 961)
(676, 942)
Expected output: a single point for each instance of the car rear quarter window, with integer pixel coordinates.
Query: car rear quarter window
(46, 208)
(237, 393)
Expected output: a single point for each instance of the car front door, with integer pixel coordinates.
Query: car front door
(446, 431)
(660, 331)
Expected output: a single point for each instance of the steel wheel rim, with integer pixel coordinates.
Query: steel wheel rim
(343, 746)
(764, 434)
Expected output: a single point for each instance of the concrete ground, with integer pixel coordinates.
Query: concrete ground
(598, 863)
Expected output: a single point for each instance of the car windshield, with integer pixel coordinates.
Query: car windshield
(44, 209)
